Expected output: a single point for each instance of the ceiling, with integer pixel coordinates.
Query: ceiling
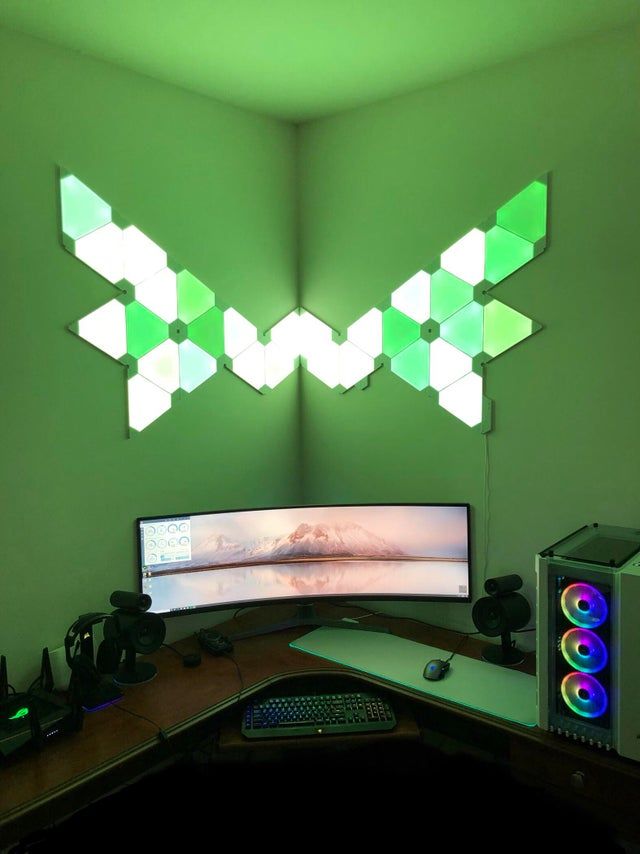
(303, 59)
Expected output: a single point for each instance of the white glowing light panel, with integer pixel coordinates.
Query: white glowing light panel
(435, 332)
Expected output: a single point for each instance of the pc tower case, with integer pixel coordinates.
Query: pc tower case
(588, 638)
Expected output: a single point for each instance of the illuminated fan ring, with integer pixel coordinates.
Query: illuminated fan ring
(584, 695)
(584, 605)
(584, 650)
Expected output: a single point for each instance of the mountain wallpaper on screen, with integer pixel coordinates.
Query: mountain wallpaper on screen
(298, 552)
(347, 539)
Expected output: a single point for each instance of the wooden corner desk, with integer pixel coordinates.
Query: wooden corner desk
(114, 748)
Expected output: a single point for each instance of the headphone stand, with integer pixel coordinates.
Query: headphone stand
(98, 696)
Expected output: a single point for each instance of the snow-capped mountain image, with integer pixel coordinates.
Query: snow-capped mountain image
(338, 540)
(307, 540)
(299, 536)
(219, 548)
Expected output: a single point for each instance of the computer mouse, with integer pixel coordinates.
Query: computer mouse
(435, 669)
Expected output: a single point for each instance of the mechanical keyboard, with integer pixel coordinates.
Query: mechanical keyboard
(317, 714)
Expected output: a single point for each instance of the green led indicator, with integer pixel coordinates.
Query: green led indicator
(21, 713)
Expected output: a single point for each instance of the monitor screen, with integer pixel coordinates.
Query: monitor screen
(204, 561)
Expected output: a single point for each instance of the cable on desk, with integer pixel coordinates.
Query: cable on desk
(241, 691)
(162, 736)
(397, 617)
(422, 622)
(173, 649)
(357, 619)
(211, 739)
(189, 659)
(461, 644)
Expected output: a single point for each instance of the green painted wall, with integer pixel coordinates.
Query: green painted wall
(212, 185)
(387, 187)
(381, 191)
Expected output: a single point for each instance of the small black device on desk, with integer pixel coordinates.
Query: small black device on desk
(317, 714)
(213, 642)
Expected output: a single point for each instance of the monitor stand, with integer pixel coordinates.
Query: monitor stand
(306, 616)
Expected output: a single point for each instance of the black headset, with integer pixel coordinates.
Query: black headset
(83, 669)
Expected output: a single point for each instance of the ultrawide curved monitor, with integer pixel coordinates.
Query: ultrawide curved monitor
(203, 561)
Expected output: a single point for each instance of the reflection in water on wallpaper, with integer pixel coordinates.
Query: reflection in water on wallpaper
(309, 578)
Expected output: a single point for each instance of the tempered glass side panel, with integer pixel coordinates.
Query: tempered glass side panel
(602, 545)
(579, 649)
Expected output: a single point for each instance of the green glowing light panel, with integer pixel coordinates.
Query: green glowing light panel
(435, 332)
(21, 713)
(496, 691)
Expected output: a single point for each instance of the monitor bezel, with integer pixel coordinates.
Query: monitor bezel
(310, 600)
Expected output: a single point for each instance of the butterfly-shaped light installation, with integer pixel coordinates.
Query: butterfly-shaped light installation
(435, 332)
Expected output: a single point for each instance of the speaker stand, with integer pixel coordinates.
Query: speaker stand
(134, 672)
(505, 655)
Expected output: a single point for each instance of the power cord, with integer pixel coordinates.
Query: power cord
(162, 736)
(173, 649)
(189, 659)
(240, 679)
(396, 617)
(487, 505)
(461, 643)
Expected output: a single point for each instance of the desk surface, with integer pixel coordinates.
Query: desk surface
(477, 685)
(39, 787)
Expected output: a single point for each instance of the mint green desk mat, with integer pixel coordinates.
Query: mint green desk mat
(474, 684)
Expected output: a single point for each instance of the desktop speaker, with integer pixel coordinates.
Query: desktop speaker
(134, 630)
(588, 605)
(501, 612)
